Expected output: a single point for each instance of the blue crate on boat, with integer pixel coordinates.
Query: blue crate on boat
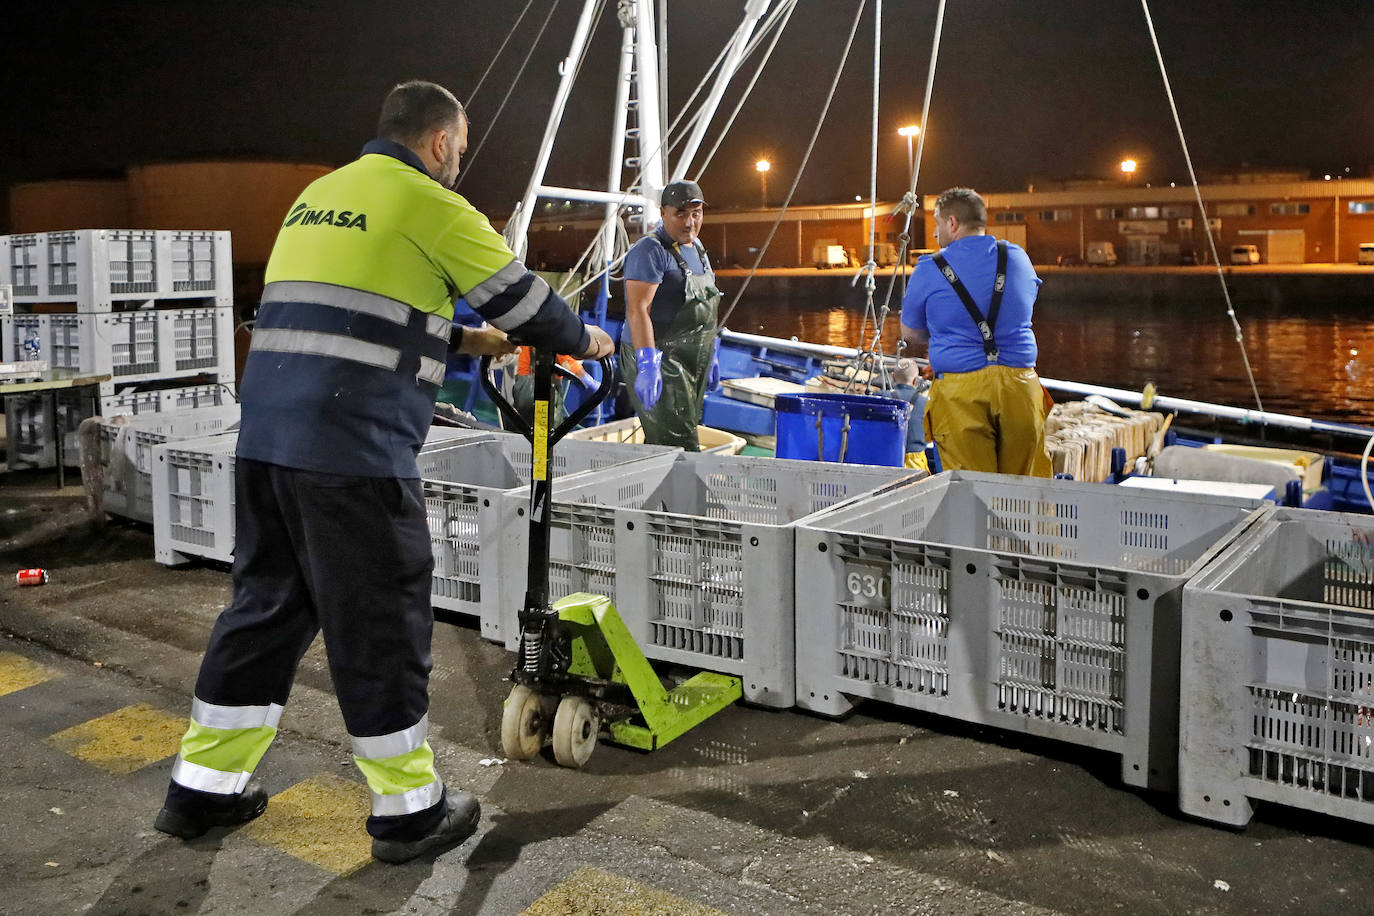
(847, 428)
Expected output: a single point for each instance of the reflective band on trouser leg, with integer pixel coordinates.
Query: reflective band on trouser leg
(223, 745)
(399, 769)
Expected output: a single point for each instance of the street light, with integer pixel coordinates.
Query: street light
(1128, 167)
(763, 165)
(909, 131)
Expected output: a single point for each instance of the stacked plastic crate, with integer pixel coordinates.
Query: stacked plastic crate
(153, 309)
(696, 553)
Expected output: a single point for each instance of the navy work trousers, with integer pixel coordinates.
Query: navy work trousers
(349, 556)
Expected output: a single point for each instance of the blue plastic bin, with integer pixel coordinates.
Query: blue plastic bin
(848, 428)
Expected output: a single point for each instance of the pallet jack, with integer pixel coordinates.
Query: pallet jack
(579, 672)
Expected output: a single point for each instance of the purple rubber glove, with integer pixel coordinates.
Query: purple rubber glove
(713, 376)
(649, 377)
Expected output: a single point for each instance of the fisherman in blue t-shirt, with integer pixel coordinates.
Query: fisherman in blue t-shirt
(973, 301)
(668, 348)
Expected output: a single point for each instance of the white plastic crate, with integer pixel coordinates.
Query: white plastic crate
(193, 499)
(193, 494)
(696, 554)
(126, 453)
(186, 397)
(1277, 676)
(130, 346)
(1049, 607)
(470, 521)
(100, 269)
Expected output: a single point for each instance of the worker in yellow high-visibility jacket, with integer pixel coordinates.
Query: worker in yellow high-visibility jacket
(338, 392)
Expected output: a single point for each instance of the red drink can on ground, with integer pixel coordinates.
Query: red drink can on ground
(31, 577)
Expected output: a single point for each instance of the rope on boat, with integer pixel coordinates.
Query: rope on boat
(806, 157)
(510, 34)
(781, 15)
(1202, 208)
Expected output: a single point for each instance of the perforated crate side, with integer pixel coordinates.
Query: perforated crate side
(193, 499)
(710, 593)
(1277, 674)
(873, 619)
(582, 551)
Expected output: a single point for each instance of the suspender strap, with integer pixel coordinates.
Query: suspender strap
(681, 261)
(999, 284)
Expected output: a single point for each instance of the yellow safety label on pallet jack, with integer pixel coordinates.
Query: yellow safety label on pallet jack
(540, 471)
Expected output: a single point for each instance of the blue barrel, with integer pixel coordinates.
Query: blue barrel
(849, 428)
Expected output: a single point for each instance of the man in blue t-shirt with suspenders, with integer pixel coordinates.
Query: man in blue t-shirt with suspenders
(973, 301)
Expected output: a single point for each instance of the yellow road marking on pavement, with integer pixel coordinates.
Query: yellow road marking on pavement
(320, 821)
(125, 740)
(17, 672)
(593, 892)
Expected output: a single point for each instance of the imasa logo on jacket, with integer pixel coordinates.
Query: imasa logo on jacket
(346, 219)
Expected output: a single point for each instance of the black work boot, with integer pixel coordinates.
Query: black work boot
(238, 809)
(459, 823)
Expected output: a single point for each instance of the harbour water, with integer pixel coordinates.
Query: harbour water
(1312, 360)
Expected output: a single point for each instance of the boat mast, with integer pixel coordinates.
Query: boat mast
(636, 89)
(637, 92)
(754, 10)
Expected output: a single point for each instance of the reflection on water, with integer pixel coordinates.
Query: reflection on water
(1318, 363)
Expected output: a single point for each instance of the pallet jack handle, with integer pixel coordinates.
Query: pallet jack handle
(544, 366)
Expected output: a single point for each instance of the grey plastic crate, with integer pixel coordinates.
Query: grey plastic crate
(126, 461)
(1277, 675)
(29, 438)
(1042, 606)
(471, 520)
(193, 499)
(136, 345)
(193, 493)
(696, 554)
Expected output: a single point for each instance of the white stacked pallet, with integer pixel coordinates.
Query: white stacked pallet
(137, 345)
(149, 308)
(101, 269)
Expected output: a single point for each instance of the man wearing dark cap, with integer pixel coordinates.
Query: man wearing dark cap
(668, 346)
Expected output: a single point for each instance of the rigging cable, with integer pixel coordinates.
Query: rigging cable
(868, 357)
(497, 55)
(1202, 208)
(778, 19)
(491, 125)
(806, 157)
(909, 202)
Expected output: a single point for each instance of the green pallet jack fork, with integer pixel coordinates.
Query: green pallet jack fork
(579, 671)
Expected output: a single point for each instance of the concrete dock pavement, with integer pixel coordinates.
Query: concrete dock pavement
(757, 811)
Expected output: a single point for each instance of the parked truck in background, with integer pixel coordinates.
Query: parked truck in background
(1101, 254)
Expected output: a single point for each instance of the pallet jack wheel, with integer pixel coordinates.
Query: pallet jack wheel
(524, 723)
(574, 731)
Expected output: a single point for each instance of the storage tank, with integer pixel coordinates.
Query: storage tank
(250, 199)
(47, 206)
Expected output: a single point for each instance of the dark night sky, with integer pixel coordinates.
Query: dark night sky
(1025, 88)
